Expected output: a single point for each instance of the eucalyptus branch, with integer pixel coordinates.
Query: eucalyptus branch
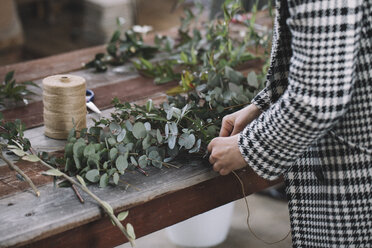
(19, 171)
(103, 204)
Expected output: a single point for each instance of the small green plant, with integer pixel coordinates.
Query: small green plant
(11, 90)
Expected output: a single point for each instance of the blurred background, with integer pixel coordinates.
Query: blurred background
(31, 29)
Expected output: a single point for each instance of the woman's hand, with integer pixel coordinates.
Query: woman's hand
(235, 123)
(224, 151)
(225, 155)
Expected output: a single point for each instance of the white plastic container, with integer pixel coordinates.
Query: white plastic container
(204, 230)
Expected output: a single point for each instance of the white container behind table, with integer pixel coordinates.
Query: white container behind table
(204, 230)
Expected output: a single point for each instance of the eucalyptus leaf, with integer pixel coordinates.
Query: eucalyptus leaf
(139, 130)
(107, 207)
(171, 141)
(18, 152)
(115, 128)
(89, 150)
(53, 172)
(113, 153)
(103, 181)
(93, 176)
(142, 161)
(129, 125)
(31, 158)
(81, 180)
(121, 135)
(115, 178)
(123, 215)
(121, 164)
(159, 137)
(130, 231)
(252, 79)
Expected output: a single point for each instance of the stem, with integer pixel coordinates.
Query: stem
(77, 193)
(164, 163)
(18, 170)
(141, 170)
(100, 202)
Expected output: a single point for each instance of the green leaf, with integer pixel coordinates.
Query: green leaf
(77, 162)
(252, 80)
(147, 126)
(18, 152)
(172, 141)
(121, 164)
(78, 149)
(107, 207)
(121, 135)
(69, 150)
(53, 172)
(123, 215)
(115, 128)
(184, 57)
(81, 180)
(139, 130)
(31, 158)
(159, 137)
(142, 161)
(113, 153)
(93, 176)
(149, 105)
(116, 178)
(130, 231)
(9, 76)
(89, 150)
(103, 181)
(129, 125)
(133, 160)
(111, 141)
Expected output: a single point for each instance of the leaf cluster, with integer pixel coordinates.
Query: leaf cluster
(10, 89)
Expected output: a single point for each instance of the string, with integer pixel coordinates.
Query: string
(248, 216)
(64, 105)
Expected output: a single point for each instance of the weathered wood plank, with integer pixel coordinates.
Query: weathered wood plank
(166, 197)
(40, 68)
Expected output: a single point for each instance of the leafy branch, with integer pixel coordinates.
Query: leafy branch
(10, 89)
(12, 138)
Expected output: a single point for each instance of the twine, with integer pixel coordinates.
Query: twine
(64, 101)
(249, 214)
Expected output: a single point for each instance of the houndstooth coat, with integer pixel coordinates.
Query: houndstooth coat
(316, 128)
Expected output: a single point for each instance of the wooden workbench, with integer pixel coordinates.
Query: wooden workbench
(58, 219)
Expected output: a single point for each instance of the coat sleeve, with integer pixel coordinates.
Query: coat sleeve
(277, 76)
(325, 42)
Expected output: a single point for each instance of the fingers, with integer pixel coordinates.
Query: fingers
(226, 127)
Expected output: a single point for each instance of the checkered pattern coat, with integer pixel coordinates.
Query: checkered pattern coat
(316, 128)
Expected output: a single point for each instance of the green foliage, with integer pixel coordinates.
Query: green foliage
(9, 89)
(121, 49)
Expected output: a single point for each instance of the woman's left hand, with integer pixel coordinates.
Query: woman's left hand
(225, 155)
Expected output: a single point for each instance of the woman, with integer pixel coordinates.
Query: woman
(316, 123)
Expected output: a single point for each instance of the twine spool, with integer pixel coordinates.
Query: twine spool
(64, 101)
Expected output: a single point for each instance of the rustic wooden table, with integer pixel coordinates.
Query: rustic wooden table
(57, 218)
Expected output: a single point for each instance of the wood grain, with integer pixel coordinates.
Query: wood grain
(40, 68)
(166, 197)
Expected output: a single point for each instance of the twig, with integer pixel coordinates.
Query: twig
(77, 193)
(141, 170)
(130, 185)
(19, 171)
(103, 204)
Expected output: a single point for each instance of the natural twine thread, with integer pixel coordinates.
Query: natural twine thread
(249, 214)
(64, 105)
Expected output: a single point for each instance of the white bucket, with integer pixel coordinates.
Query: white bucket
(204, 230)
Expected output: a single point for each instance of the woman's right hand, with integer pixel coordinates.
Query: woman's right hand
(234, 123)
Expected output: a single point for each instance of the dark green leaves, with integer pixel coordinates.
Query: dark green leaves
(13, 91)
